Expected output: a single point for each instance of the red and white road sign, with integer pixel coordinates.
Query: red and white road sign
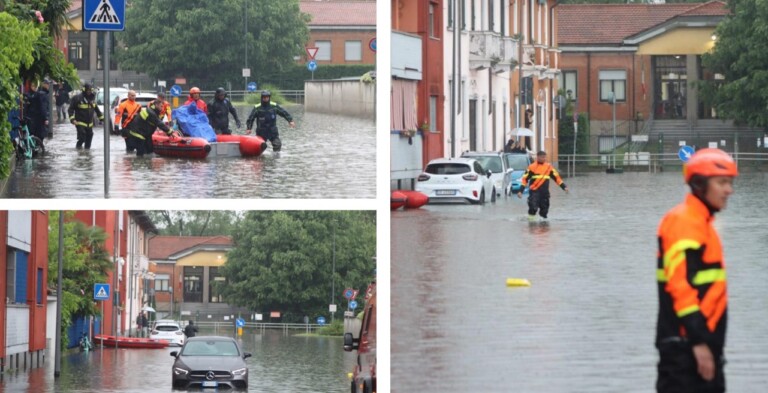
(312, 52)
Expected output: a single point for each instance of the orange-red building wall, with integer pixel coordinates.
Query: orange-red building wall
(38, 261)
(3, 270)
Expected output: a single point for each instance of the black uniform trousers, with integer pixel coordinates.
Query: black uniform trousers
(538, 200)
(270, 134)
(84, 136)
(678, 371)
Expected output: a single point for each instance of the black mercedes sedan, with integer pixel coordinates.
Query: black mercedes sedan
(210, 362)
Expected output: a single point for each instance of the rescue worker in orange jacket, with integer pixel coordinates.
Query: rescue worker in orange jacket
(124, 113)
(194, 96)
(536, 178)
(690, 332)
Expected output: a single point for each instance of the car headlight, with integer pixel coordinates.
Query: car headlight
(240, 371)
(180, 371)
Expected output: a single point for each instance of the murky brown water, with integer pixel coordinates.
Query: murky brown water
(587, 323)
(280, 363)
(325, 156)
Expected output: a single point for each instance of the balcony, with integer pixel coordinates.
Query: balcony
(488, 49)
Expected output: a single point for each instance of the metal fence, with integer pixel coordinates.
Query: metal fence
(226, 327)
(571, 165)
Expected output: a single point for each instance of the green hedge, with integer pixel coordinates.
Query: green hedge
(293, 78)
(565, 135)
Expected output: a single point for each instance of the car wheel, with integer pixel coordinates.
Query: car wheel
(482, 198)
(493, 195)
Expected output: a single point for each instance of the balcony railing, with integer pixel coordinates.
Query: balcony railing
(488, 49)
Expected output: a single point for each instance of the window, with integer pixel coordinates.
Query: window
(432, 113)
(162, 282)
(79, 43)
(450, 13)
(16, 276)
(353, 50)
(613, 81)
(501, 11)
(491, 16)
(40, 286)
(472, 15)
(100, 54)
(214, 294)
(568, 82)
(432, 20)
(462, 11)
(323, 50)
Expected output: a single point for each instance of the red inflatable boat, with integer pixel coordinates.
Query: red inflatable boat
(397, 200)
(184, 147)
(250, 146)
(414, 199)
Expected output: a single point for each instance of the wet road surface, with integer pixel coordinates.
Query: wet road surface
(325, 156)
(588, 321)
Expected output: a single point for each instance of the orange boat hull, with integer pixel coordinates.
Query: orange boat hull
(184, 147)
(250, 146)
(414, 199)
(397, 200)
(129, 342)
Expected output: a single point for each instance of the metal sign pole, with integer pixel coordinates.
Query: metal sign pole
(107, 38)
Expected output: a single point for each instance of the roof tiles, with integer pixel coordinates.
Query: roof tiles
(340, 13)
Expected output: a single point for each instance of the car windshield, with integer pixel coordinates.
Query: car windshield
(100, 97)
(447, 168)
(167, 328)
(210, 348)
(517, 162)
(490, 162)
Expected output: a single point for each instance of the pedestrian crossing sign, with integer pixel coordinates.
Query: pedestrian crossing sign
(101, 291)
(104, 15)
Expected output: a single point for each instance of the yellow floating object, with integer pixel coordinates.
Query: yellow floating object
(518, 282)
(349, 375)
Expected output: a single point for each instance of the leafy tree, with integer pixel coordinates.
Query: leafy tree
(16, 43)
(741, 55)
(195, 222)
(86, 262)
(283, 261)
(204, 40)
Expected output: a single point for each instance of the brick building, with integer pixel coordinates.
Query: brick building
(342, 31)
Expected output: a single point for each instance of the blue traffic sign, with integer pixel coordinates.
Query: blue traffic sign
(104, 15)
(349, 293)
(372, 44)
(175, 90)
(100, 291)
(239, 322)
(685, 153)
(353, 305)
(321, 320)
(312, 66)
(251, 86)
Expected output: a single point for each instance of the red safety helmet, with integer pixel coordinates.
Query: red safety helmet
(710, 162)
(194, 90)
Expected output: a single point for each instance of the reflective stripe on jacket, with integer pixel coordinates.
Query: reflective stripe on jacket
(539, 175)
(82, 109)
(691, 277)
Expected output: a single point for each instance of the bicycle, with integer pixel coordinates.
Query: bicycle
(27, 146)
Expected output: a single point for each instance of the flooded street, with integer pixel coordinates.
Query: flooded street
(325, 156)
(280, 363)
(587, 323)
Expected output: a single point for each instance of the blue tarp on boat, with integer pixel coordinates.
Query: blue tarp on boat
(194, 122)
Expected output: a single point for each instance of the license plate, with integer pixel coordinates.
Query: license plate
(445, 192)
(210, 384)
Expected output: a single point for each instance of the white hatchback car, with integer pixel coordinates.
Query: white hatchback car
(168, 330)
(456, 179)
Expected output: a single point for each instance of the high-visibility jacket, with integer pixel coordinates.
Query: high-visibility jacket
(691, 277)
(144, 124)
(82, 110)
(126, 111)
(200, 104)
(539, 174)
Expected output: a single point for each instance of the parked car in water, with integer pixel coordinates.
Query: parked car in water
(518, 162)
(494, 162)
(114, 92)
(456, 179)
(364, 373)
(166, 329)
(210, 362)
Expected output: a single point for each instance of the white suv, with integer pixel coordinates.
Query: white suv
(456, 179)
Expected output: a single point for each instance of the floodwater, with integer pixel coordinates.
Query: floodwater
(325, 156)
(280, 363)
(587, 323)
